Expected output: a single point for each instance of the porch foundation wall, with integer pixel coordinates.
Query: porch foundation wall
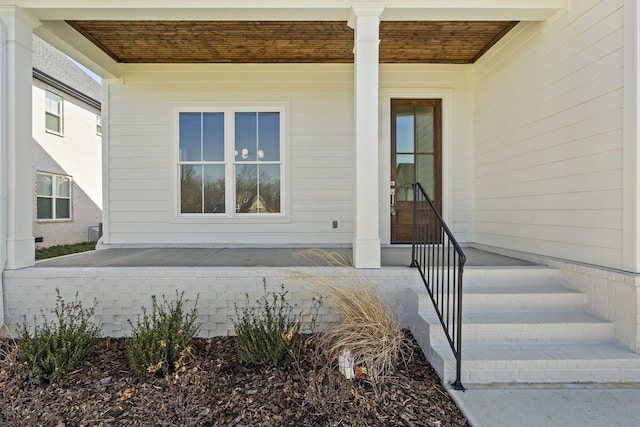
(121, 292)
(611, 294)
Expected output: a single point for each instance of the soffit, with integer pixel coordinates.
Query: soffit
(457, 42)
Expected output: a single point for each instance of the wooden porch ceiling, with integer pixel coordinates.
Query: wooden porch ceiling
(453, 42)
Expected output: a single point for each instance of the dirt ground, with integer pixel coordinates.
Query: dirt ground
(216, 390)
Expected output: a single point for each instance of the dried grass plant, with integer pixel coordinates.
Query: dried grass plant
(367, 327)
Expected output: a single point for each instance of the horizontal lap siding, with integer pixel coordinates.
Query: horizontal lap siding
(141, 174)
(548, 137)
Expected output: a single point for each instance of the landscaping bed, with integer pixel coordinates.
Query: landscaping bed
(214, 389)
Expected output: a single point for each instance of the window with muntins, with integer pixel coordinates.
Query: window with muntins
(53, 197)
(53, 112)
(98, 125)
(230, 162)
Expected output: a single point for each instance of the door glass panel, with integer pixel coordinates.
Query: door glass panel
(425, 171)
(424, 129)
(405, 176)
(404, 129)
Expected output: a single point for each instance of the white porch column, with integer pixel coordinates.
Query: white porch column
(16, 140)
(366, 240)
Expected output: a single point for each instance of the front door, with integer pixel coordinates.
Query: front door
(416, 155)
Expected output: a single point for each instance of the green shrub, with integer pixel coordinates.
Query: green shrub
(50, 351)
(269, 333)
(162, 341)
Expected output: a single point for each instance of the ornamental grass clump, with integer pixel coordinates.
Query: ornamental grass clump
(367, 328)
(162, 342)
(269, 332)
(51, 350)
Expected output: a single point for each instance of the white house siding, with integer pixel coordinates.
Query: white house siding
(318, 144)
(319, 186)
(548, 137)
(77, 154)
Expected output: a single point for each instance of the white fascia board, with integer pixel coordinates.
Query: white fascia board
(315, 10)
(60, 35)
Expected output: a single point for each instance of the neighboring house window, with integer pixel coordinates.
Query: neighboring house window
(98, 125)
(53, 113)
(235, 170)
(53, 197)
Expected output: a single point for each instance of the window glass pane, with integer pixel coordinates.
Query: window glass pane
(269, 188)
(52, 123)
(53, 104)
(190, 137)
(424, 129)
(44, 208)
(269, 137)
(214, 189)
(404, 129)
(62, 209)
(426, 173)
(405, 176)
(246, 137)
(62, 186)
(213, 137)
(99, 124)
(247, 189)
(191, 188)
(44, 185)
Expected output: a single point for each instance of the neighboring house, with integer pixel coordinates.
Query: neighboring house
(294, 123)
(67, 149)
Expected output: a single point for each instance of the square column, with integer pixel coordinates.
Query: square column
(365, 21)
(16, 141)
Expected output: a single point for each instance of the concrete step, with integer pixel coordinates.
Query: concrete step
(527, 326)
(484, 298)
(513, 276)
(500, 362)
(521, 325)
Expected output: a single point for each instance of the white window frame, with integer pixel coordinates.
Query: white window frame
(54, 197)
(59, 115)
(99, 124)
(230, 214)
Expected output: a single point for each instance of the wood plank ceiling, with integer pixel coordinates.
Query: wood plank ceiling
(454, 42)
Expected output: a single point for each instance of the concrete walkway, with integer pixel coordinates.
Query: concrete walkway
(584, 405)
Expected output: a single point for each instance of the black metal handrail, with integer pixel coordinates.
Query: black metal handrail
(440, 260)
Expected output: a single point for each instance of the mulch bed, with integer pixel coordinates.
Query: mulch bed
(215, 390)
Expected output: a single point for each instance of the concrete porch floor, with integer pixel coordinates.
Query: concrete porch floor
(392, 256)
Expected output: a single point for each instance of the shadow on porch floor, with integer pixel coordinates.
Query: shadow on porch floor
(393, 256)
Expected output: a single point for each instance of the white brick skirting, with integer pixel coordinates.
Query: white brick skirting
(121, 292)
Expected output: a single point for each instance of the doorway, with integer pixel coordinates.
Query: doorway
(416, 156)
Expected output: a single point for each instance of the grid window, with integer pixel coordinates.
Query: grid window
(53, 113)
(98, 125)
(230, 162)
(53, 197)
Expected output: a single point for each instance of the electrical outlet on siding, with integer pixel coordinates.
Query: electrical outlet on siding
(336, 224)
